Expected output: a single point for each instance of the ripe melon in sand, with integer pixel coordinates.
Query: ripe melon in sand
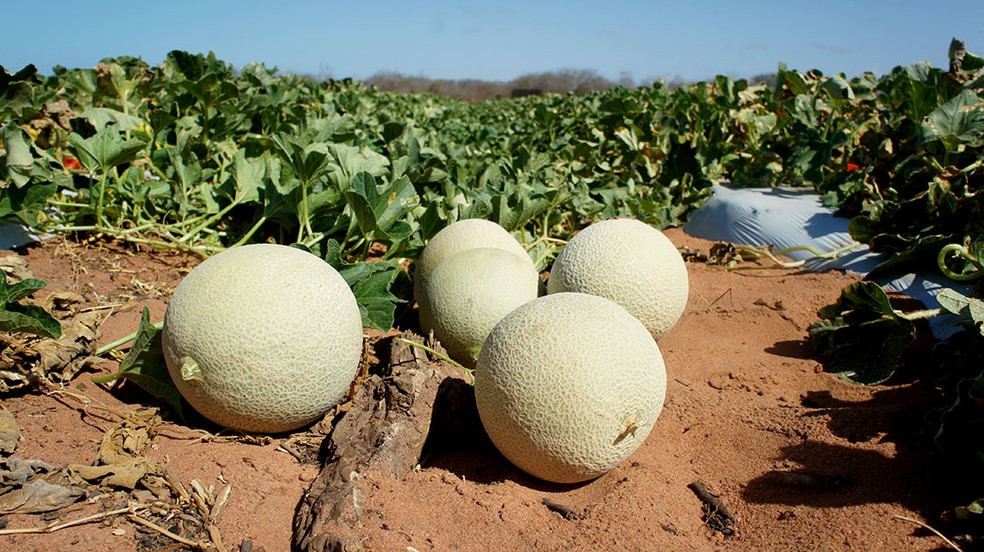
(262, 338)
(630, 263)
(460, 236)
(469, 292)
(568, 386)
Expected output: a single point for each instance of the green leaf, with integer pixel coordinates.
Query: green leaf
(144, 365)
(17, 91)
(32, 319)
(380, 214)
(972, 513)
(19, 159)
(969, 309)
(860, 337)
(349, 161)
(248, 176)
(101, 117)
(26, 202)
(371, 284)
(106, 149)
(960, 120)
(398, 199)
(361, 197)
(11, 293)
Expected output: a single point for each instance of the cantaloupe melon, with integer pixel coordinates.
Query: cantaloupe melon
(568, 386)
(460, 236)
(469, 292)
(262, 338)
(630, 263)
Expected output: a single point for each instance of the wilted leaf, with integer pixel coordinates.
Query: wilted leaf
(126, 475)
(62, 358)
(24, 490)
(10, 432)
(38, 496)
(30, 360)
(122, 452)
(16, 266)
(130, 437)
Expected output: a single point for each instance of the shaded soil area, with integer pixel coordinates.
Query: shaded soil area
(800, 459)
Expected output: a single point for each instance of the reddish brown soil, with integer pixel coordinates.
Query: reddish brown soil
(745, 400)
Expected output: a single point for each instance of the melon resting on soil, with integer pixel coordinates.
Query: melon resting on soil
(461, 236)
(568, 386)
(262, 338)
(629, 262)
(469, 292)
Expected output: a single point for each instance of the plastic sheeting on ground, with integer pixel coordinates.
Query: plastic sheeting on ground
(15, 235)
(790, 217)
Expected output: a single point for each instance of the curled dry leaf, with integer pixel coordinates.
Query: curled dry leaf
(122, 460)
(45, 362)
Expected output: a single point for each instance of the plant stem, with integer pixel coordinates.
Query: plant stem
(207, 223)
(249, 233)
(99, 199)
(921, 314)
(64, 525)
(774, 255)
(122, 341)
(967, 256)
(440, 355)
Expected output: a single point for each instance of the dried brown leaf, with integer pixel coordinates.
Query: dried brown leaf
(45, 362)
(61, 301)
(16, 267)
(10, 432)
(122, 462)
(126, 474)
(38, 496)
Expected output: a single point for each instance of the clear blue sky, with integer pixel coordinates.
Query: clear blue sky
(500, 39)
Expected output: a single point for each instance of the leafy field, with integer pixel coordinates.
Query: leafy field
(197, 156)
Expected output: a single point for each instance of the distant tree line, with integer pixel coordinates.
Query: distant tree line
(563, 81)
(578, 81)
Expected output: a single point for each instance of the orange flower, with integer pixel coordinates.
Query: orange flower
(852, 167)
(71, 163)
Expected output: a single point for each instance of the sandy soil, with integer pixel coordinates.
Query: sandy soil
(803, 460)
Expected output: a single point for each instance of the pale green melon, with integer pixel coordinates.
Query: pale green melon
(262, 338)
(568, 386)
(460, 236)
(629, 262)
(469, 292)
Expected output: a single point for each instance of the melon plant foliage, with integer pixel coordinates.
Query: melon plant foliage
(197, 155)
